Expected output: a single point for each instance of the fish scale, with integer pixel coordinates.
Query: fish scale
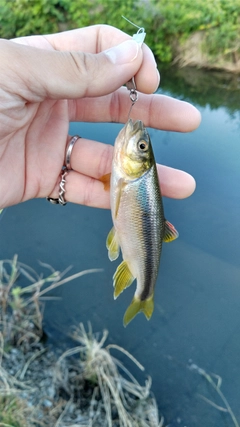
(139, 224)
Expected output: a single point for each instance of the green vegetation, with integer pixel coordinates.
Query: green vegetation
(165, 21)
(13, 412)
(219, 19)
(26, 17)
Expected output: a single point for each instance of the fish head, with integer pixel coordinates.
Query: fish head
(133, 150)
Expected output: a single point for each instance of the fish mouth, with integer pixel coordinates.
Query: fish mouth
(136, 129)
(135, 126)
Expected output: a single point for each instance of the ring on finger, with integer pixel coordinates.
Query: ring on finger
(69, 151)
(61, 199)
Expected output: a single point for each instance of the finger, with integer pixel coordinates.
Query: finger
(91, 158)
(85, 190)
(175, 183)
(95, 39)
(84, 39)
(94, 159)
(61, 75)
(157, 111)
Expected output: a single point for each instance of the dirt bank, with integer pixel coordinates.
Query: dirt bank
(193, 52)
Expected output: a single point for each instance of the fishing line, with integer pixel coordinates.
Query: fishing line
(130, 111)
(140, 29)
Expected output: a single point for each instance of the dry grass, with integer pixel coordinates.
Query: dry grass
(116, 397)
(215, 381)
(21, 309)
(90, 386)
(93, 389)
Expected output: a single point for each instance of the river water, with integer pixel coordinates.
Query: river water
(196, 321)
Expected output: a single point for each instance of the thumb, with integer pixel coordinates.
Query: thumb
(64, 74)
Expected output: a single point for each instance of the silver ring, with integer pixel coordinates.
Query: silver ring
(61, 199)
(52, 200)
(69, 151)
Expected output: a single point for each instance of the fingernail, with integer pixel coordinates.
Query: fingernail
(123, 53)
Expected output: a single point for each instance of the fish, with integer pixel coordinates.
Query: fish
(139, 225)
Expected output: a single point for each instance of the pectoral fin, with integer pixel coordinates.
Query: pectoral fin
(119, 189)
(105, 179)
(112, 245)
(136, 307)
(122, 278)
(170, 232)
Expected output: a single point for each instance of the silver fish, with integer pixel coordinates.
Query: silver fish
(138, 218)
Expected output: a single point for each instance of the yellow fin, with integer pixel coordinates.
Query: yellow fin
(170, 232)
(105, 179)
(112, 245)
(122, 278)
(136, 307)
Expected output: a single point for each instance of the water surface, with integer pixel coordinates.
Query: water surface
(197, 303)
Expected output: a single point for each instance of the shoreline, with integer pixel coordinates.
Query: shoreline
(193, 52)
(83, 386)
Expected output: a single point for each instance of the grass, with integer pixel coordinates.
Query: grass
(117, 398)
(216, 381)
(21, 308)
(14, 412)
(90, 386)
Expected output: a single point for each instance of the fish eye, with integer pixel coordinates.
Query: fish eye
(142, 145)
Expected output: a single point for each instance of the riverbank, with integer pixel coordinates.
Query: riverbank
(83, 386)
(193, 52)
(201, 34)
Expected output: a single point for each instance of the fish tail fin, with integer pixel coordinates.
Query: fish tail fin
(136, 307)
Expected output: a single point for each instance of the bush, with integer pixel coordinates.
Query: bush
(24, 17)
(165, 21)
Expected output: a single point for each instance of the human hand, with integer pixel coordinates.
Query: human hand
(48, 81)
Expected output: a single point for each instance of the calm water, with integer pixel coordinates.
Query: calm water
(197, 302)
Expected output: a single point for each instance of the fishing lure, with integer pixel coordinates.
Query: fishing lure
(139, 37)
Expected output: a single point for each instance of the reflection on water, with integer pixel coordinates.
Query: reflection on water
(203, 88)
(197, 303)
